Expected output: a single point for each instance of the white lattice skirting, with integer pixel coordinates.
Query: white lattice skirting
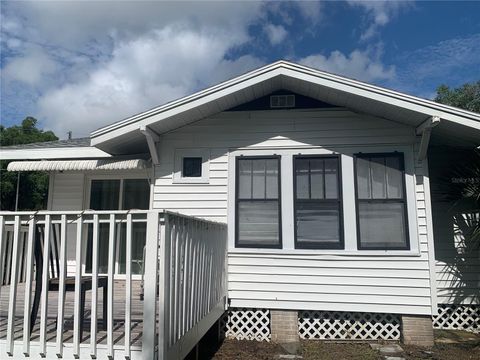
(246, 324)
(457, 317)
(336, 325)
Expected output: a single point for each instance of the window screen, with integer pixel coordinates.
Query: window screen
(192, 167)
(318, 214)
(258, 202)
(381, 204)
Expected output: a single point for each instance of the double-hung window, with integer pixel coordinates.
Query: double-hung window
(381, 202)
(318, 205)
(258, 202)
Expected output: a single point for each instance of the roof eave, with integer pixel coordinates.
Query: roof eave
(81, 152)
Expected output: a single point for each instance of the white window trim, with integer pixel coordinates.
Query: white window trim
(349, 203)
(178, 166)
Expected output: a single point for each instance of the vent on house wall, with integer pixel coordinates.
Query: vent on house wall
(282, 101)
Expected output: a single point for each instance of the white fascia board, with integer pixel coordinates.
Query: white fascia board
(53, 153)
(391, 97)
(295, 71)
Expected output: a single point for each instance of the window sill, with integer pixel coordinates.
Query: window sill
(336, 252)
(191, 180)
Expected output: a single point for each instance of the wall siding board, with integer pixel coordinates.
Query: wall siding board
(303, 281)
(67, 195)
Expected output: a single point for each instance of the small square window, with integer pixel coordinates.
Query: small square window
(192, 167)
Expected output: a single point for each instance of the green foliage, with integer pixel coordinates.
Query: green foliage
(26, 133)
(33, 187)
(465, 97)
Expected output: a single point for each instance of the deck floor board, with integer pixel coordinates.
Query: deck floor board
(136, 324)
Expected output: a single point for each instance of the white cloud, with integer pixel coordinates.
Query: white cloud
(358, 64)
(276, 33)
(30, 68)
(379, 13)
(156, 67)
(109, 62)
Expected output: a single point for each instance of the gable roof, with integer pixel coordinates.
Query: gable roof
(125, 136)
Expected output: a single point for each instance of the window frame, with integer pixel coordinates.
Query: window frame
(279, 200)
(180, 154)
(404, 201)
(339, 200)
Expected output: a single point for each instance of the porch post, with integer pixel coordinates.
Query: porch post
(150, 285)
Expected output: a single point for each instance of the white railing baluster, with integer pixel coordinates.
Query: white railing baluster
(150, 285)
(13, 287)
(8, 257)
(78, 288)
(193, 285)
(93, 315)
(3, 255)
(61, 285)
(45, 285)
(128, 285)
(176, 283)
(164, 288)
(181, 283)
(28, 286)
(111, 268)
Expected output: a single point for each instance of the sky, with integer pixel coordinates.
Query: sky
(79, 65)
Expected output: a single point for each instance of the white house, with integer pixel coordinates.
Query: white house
(332, 229)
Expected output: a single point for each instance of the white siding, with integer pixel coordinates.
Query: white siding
(68, 191)
(68, 195)
(291, 279)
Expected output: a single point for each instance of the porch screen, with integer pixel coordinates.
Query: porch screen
(381, 204)
(318, 210)
(258, 202)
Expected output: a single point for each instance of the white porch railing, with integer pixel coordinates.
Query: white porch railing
(184, 292)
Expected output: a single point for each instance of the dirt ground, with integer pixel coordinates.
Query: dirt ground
(320, 350)
(450, 345)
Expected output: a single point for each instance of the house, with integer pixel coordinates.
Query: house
(315, 189)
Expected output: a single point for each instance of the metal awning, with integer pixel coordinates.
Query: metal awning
(79, 165)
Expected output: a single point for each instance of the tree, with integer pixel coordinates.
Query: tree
(33, 187)
(465, 97)
(460, 187)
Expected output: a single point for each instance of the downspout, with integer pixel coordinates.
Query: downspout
(152, 139)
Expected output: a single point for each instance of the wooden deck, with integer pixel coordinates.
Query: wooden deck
(136, 324)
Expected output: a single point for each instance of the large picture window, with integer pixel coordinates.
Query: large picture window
(318, 206)
(381, 204)
(258, 202)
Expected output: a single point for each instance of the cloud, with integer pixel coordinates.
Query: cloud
(30, 68)
(95, 63)
(276, 33)
(446, 62)
(379, 13)
(360, 65)
(81, 65)
(152, 69)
